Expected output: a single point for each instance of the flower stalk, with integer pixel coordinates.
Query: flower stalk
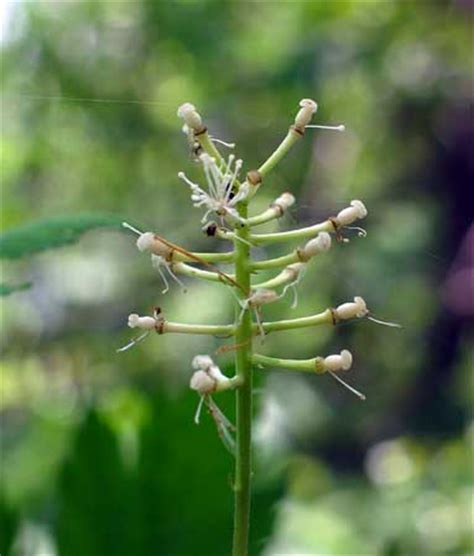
(226, 199)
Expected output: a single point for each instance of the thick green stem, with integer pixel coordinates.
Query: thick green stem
(243, 339)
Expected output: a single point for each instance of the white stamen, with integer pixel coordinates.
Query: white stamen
(348, 386)
(340, 127)
(197, 415)
(133, 342)
(385, 323)
(360, 231)
(130, 227)
(228, 145)
(219, 183)
(159, 263)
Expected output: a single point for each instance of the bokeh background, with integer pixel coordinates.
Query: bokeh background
(100, 455)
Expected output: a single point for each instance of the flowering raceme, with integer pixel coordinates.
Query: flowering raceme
(226, 199)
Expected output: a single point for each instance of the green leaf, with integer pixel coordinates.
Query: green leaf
(7, 289)
(56, 232)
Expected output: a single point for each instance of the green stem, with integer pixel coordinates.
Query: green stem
(211, 329)
(309, 231)
(291, 364)
(286, 276)
(271, 213)
(188, 270)
(208, 146)
(284, 260)
(291, 324)
(291, 138)
(243, 339)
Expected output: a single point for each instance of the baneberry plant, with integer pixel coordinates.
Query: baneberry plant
(226, 199)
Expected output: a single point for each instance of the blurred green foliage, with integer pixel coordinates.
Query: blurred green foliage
(100, 455)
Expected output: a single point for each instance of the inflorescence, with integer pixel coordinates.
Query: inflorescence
(220, 196)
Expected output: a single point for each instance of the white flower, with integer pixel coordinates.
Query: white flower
(202, 362)
(148, 241)
(350, 310)
(261, 296)
(220, 197)
(308, 108)
(202, 383)
(341, 362)
(284, 201)
(350, 214)
(208, 377)
(146, 323)
(191, 117)
(319, 244)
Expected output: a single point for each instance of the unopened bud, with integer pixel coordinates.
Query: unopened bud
(208, 377)
(350, 214)
(320, 244)
(341, 362)
(202, 383)
(304, 116)
(191, 117)
(350, 310)
(135, 321)
(150, 242)
(284, 201)
(202, 362)
(293, 271)
(262, 296)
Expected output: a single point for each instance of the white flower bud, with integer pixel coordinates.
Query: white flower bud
(350, 214)
(208, 377)
(135, 321)
(150, 242)
(341, 362)
(191, 117)
(202, 362)
(294, 270)
(350, 310)
(320, 244)
(262, 296)
(308, 108)
(284, 201)
(202, 383)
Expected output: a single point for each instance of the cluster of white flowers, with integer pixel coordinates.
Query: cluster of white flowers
(220, 197)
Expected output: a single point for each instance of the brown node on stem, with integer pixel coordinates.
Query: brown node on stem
(337, 228)
(254, 178)
(334, 317)
(200, 131)
(298, 130)
(319, 365)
